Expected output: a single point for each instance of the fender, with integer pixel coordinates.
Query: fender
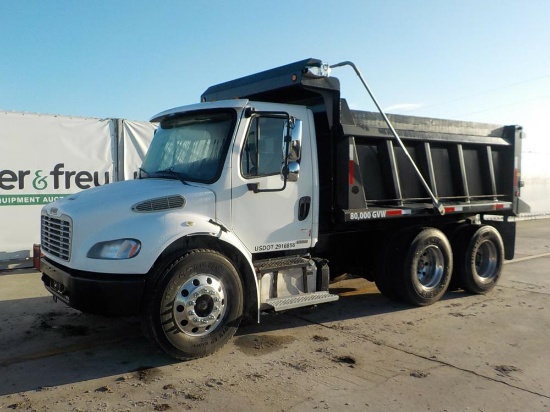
(211, 234)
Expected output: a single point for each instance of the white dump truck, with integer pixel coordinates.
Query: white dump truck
(253, 199)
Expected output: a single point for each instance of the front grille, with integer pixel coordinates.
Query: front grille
(56, 236)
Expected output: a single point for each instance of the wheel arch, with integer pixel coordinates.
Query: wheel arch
(238, 257)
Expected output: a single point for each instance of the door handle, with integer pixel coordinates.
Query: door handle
(303, 207)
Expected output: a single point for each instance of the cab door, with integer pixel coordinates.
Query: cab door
(272, 218)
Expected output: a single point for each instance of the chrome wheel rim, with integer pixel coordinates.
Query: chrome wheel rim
(486, 261)
(430, 268)
(199, 305)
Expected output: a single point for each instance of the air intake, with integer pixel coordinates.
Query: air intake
(159, 204)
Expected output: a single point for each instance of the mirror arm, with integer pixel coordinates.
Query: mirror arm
(255, 187)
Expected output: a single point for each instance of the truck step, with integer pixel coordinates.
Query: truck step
(269, 265)
(308, 299)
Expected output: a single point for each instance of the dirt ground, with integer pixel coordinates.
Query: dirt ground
(362, 353)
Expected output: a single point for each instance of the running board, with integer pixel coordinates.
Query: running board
(297, 301)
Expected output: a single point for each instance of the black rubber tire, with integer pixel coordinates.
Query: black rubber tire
(479, 255)
(194, 305)
(423, 266)
(384, 277)
(453, 231)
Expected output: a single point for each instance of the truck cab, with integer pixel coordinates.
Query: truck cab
(233, 180)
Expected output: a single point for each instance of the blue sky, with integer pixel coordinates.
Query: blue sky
(485, 61)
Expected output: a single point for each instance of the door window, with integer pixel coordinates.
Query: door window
(262, 153)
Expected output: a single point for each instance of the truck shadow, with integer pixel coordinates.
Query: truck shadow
(351, 305)
(44, 344)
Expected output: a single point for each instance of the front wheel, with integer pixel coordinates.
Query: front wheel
(194, 306)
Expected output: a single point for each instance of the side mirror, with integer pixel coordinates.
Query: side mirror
(293, 172)
(295, 144)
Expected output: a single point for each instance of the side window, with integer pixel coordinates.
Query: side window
(262, 152)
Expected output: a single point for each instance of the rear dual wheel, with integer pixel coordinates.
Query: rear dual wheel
(384, 277)
(423, 269)
(479, 255)
(416, 266)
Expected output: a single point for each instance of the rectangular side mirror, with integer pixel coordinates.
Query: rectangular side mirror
(295, 144)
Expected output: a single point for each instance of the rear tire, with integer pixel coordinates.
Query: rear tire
(479, 258)
(194, 305)
(453, 231)
(384, 277)
(423, 266)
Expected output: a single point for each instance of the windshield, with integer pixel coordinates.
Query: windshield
(190, 147)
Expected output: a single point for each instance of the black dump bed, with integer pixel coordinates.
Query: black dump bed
(365, 174)
(469, 167)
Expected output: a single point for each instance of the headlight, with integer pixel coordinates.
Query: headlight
(115, 249)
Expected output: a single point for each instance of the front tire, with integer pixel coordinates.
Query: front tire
(194, 305)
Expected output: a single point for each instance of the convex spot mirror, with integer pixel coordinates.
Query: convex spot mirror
(295, 144)
(292, 173)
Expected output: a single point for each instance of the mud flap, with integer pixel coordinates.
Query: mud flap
(507, 231)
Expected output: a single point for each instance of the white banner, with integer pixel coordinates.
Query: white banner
(45, 157)
(133, 144)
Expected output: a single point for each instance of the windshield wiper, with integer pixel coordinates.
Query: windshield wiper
(141, 170)
(169, 172)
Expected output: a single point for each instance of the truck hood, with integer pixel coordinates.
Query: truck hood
(156, 212)
(118, 198)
